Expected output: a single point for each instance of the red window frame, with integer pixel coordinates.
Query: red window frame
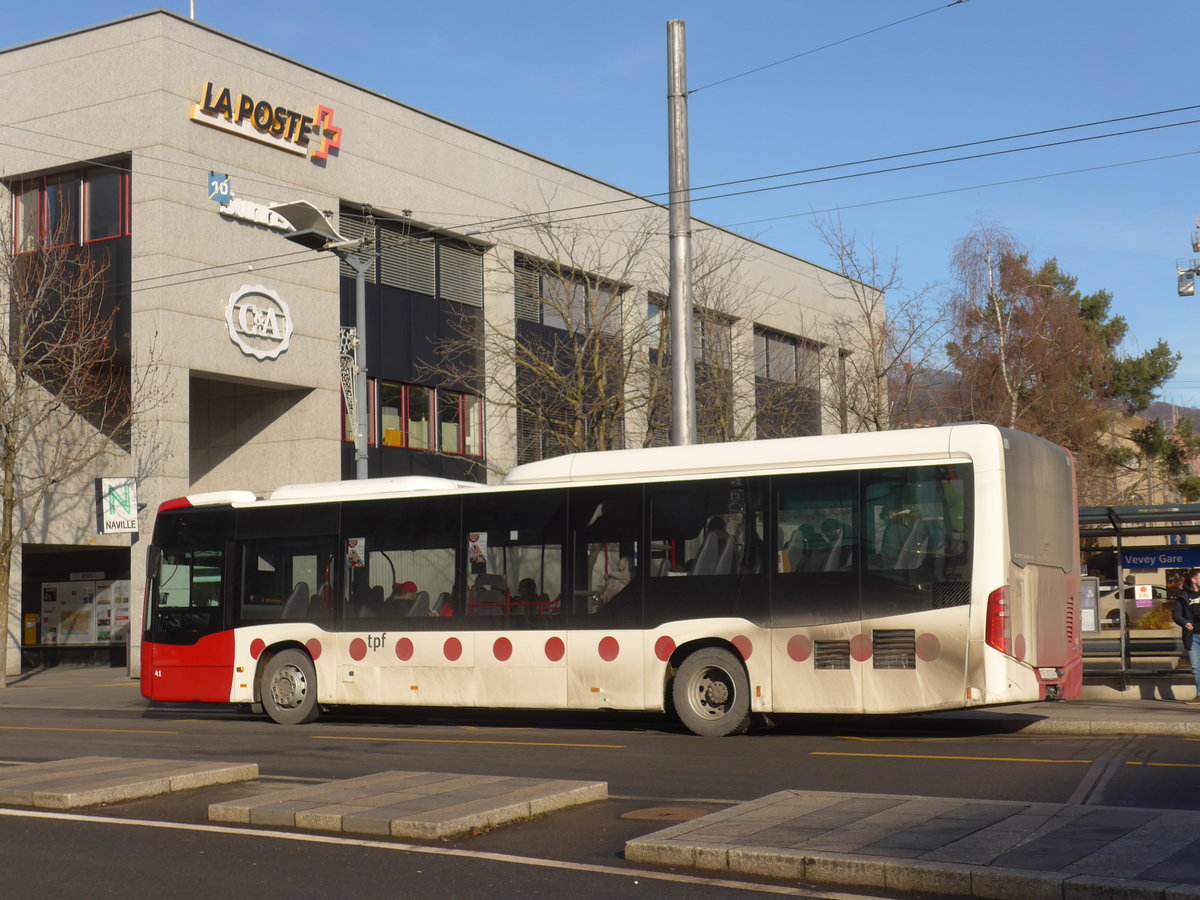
(39, 229)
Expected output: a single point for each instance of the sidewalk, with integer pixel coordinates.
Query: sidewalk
(956, 848)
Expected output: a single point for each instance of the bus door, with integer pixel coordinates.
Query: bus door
(396, 645)
(816, 594)
(916, 585)
(605, 651)
(510, 612)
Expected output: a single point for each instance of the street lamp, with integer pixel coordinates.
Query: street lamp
(311, 228)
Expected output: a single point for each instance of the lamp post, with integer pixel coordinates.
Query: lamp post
(311, 228)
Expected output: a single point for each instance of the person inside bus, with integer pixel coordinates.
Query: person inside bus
(527, 599)
(402, 598)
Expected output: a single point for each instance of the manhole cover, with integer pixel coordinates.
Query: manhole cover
(665, 814)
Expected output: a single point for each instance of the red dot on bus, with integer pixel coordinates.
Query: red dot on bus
(502, 649)
(1019, 647)
(743, 646)
(929, 647)
(358, 649)
(257, 646)
(452, 649)
(609, 649)
(404, 649)
(664, 647)
(799, 647)
(314, 648)
(555, 649)
(860, 647)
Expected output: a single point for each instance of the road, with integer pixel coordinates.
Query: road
(648, 763)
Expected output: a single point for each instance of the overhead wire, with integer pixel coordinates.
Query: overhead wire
(837, 43)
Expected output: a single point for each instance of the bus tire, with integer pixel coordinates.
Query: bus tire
(289, 688)
(711, 693)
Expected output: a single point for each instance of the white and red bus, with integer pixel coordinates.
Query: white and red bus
(879, 573)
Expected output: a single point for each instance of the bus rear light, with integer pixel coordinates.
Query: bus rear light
(177, 503)
(999, 622)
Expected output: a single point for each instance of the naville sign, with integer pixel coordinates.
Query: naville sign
(118, 505)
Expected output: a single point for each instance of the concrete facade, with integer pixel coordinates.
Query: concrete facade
(222, 418)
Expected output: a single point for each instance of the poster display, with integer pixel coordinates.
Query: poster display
(85, 612)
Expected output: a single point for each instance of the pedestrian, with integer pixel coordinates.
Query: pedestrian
(1186, 615)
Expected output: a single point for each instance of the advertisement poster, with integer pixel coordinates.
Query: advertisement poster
(76, 612)
(50, 614)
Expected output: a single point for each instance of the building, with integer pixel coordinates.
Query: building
(162, 147)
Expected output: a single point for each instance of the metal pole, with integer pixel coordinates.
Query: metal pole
(359, 264)
(683, 370)
(360, 375)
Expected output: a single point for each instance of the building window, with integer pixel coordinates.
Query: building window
(414, 259)
(565, 299)
(420, 418)
(787, 385)
(65, 209)
(406, 419)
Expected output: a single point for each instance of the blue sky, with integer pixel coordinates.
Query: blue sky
(584, 84)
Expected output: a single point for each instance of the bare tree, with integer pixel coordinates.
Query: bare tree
(882, 360)
(68, 391)
(587, 352)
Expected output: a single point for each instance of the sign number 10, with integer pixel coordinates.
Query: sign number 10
(218, 188)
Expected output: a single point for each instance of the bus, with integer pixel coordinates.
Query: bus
(893, 572)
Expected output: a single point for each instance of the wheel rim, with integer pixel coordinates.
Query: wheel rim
(712, 692)
(289, 687)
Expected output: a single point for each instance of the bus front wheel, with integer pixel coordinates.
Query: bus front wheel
(712, 693)
(289, 688)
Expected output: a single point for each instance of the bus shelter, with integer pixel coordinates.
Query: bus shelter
(1134, 558)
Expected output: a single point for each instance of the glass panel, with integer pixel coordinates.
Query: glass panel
(419, 417)
(62, 210)
(186, 587)
(817, 556)
(391, 405)
(27, 197)
(401, 558)
(514, 565)
(472, 423)
(916, 538)
(608, 563)
(448, 424)
(286, 579)
(103, 205)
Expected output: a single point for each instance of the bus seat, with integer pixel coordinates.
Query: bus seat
(725, 560)
(420, 605)
(915, 547)
(296, 606)
(709, 556)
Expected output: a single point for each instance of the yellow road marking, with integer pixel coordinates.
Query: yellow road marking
(87, 730)
(331, 737)
(961, 740)
(1165, 765)
(964, 758)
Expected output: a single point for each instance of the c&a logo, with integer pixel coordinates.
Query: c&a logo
(259, 321)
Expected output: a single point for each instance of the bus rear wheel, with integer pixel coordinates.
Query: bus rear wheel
(289, 688)
(712, 693)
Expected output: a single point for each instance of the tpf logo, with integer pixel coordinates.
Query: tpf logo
(259, 321)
